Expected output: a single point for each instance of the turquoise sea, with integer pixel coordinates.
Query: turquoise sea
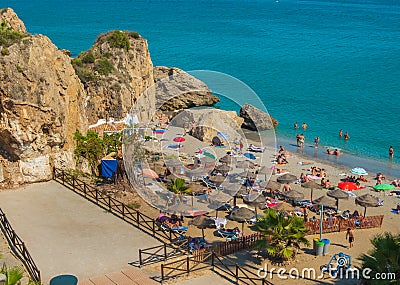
(334, 64)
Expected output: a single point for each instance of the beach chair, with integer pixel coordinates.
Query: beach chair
(228, 235)
(197, 243)
(211, 185)
(161, 223)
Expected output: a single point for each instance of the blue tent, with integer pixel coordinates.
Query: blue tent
(249, 155)
(108, 167)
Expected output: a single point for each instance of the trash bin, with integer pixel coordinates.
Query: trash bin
(64, 280)
(319, 248)
(315, 239)
(326, 245)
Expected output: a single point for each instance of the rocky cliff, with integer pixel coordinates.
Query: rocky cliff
(176, 89)
(117, 73)
(255, 119)
(41, 105)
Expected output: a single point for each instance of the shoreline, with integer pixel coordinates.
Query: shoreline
(345, 161)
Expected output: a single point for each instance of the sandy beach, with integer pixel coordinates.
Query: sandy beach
(305, 258)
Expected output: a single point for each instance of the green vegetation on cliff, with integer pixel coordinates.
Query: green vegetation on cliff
(8, 36)
(119, 39)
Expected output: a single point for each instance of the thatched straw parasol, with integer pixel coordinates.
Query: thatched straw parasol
(367, 200)
(217, 179)
(257, 200)
(323, 201)
(293, 195)
(228, 159)
(202, 222)
(337, 194)
(241, 215)
(311, 185)
(245, 164)
(286, 178)
(222, 168)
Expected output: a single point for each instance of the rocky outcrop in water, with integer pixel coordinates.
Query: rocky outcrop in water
(176, 90)
(255, 119)
(41, 105)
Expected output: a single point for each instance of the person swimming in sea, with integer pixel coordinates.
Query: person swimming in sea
(346, 136)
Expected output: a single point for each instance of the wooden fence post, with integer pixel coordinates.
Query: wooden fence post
(137, 218)
(162, 272)
(123, 211)
(97, 196)
(165, 251)
(187, 265)
(63, 176)
(84, 188)
(73, 183)
(140, 258)
(109, 203)
(237, 273)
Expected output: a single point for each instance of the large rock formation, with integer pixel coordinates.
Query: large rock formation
(212, 121)
(117, 73)
(255, 119)
(41, 105)
(176, 89)
(11, 20)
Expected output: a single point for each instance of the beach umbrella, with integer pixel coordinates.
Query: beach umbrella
(323, 201)
(359, 171)
(180, 208)
(227, 159)
(311, 185)
(367, 200)
(249, 155)
(257, 200)
(286, 178)
(217, 179)
(293, 195)
(149, 173)
(264, 170)
(223, 168)
(273, 185)
(223, 135)
(348, 186)
(202, 222)
(179, 139)
(245, 164)
(241, 215)
(337, 194)
(384, 187)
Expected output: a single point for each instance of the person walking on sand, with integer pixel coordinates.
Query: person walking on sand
(350, 237)
(391, 152)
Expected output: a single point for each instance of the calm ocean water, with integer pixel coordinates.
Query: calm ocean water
(332, 64)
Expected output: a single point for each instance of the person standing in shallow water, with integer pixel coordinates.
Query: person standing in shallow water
(341, 133)
(391, 152)
(304, 126)
(350, 237)
(296, 125)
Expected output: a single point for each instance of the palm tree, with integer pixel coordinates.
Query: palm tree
(383, 258)
(13, 275)
(281, 235)
(178, 186)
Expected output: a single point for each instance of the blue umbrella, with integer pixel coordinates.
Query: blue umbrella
(250, 155)
(359, 171)
(223, 135)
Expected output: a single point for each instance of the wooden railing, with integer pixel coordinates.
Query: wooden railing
(176, 249)
(341, 225)
(205, 259)
(114, 206)
(19, 247)
(163, 252)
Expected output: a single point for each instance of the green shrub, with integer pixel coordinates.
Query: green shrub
(134, 35)
(5, 51)
(77, 62)
(8, 36)
(88, 58)
(19, 68)
(84, 74)
(103, 66)
(119, 39)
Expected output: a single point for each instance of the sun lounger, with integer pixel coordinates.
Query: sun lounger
(162, 222)
(211, 185)
(197, 243)
(255, 148)
(228, 234)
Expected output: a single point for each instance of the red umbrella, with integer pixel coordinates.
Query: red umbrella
(348, 186)
(179, 139)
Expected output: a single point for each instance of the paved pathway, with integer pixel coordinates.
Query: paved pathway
(126, 276)
(67, 234)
